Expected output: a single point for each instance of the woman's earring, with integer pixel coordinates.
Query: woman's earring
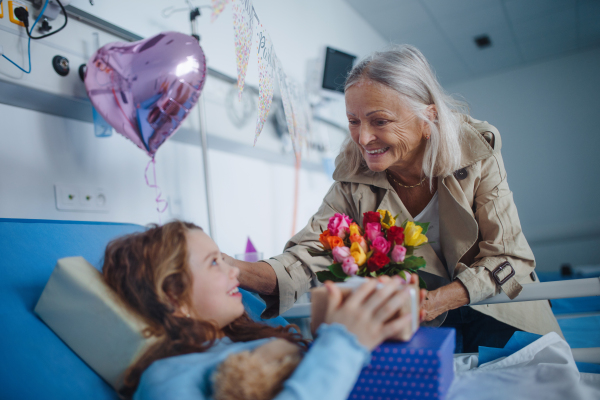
(426, 137)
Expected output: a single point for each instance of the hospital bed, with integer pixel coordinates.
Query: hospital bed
(576, 305)
(34, 362)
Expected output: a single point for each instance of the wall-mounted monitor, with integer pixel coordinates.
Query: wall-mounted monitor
(336, 68)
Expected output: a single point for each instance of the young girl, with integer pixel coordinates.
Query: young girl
(175, 277)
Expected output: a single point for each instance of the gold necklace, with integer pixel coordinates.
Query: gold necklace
(405, 186)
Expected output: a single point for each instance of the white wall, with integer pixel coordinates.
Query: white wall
(547, 114)
(252, 197)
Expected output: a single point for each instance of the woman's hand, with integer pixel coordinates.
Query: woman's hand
(258, 276)
(369, 312)
(444, 299)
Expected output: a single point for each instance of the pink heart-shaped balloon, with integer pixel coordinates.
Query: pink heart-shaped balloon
(146, 89)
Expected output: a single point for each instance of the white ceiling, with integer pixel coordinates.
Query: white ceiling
(521, 31)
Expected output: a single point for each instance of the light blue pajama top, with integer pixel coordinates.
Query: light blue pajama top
(329, 369)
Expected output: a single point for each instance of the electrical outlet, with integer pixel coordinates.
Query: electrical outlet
(80, 198)
(12, 5)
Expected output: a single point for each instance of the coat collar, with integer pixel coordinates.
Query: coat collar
(474, 147)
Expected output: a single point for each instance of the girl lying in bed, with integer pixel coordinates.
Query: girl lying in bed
(175, 277)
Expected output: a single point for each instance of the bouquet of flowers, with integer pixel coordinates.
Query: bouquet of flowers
(378, 248)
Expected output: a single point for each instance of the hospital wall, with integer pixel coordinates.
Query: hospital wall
(252, 195)
(547, 115)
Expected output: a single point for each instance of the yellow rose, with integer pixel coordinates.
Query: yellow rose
(413, 236)
(386, 219)
(360, 257)
(354, 229)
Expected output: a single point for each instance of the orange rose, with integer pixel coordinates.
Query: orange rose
(323, 239)
(335, 241)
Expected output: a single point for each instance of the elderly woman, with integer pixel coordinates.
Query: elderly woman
(412, 151)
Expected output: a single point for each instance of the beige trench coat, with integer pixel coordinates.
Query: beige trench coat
(479, 231)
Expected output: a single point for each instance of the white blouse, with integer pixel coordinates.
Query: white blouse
(431, 214)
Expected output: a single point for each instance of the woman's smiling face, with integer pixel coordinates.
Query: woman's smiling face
(385, 129)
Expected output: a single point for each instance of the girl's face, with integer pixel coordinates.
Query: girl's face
(215, 294)
(385, 129)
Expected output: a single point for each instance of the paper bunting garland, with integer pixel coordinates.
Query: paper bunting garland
(266, 67)
(295, 103)
(217, 8)
(243, 17)
(287, 103)
(298, 112)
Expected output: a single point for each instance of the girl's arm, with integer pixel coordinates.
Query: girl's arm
(330, 368)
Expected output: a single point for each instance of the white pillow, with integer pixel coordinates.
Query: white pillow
(90, 318)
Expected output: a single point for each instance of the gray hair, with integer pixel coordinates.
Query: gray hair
(405, 69)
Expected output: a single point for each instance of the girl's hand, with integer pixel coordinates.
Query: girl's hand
(414, 280)
(369, 312)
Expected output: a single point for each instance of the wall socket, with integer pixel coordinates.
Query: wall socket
(80, 198)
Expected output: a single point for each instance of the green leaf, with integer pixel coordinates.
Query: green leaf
(323, 276)
(402, 275)
(337, 270)
(414, 263)
(404, 224)
(424, 225)
(374, 274)
(422, 283)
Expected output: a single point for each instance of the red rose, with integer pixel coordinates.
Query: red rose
(377, 261)
(395, 234)
(371, 217)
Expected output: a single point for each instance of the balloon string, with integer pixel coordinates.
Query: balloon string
(159, 200)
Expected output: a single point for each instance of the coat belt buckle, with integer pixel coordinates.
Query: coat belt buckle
(500, 268)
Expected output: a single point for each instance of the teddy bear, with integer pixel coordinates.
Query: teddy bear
(257, 374)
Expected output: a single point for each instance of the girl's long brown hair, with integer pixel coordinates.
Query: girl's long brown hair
(150, 272)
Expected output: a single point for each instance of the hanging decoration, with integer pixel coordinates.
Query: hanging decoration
(295, 104)
(298, 113)
(243, 18)
(217, 8)
(287, 104)
(142, 104)
(266, 70)
(146, 89)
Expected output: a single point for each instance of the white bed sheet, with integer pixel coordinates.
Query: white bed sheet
(543, 370)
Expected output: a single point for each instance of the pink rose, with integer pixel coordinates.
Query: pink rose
(398, 253)
(339, 225)
(349, 266)
(340, 253)
(373, 231)
(380, 245)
